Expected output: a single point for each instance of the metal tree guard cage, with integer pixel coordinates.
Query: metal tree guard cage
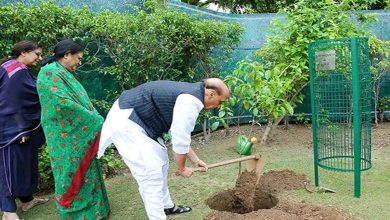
(341, 94)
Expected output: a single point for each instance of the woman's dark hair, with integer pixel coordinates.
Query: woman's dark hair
(19, 48)
(61, 49)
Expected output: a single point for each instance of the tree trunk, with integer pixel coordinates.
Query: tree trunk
(271, 124)
(286, 122)
(227, 131)
(209, 130)
(205, 135)
(267, 131)
(376, 98)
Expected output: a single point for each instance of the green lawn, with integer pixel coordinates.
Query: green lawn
(373, 204)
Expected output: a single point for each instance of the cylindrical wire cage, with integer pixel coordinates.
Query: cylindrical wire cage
(341, 95)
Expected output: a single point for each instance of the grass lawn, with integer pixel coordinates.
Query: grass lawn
(289, 149)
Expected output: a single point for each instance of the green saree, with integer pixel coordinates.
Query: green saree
(72, 129)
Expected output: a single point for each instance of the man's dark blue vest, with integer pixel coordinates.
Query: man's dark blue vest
(153, 103)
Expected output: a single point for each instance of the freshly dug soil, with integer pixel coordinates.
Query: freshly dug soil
(248, 201)
(244, 192)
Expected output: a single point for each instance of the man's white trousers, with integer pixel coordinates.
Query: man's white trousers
(147, 159)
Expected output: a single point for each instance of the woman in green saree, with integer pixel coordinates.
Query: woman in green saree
(72, 129)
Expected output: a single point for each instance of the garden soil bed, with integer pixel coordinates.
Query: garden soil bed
(251, 201)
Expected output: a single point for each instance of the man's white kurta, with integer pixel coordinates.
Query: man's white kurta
(147, 158)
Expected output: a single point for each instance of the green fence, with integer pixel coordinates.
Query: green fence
(341, 94)
(95, 5)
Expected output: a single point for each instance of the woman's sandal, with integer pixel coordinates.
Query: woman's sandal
(33, 203)
(177, 209)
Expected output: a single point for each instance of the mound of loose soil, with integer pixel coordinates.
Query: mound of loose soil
(276, 181)
(249, 201)
(244, 192)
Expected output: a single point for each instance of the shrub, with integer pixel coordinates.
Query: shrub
(46, 179)
(111, 163)
(121, 51)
